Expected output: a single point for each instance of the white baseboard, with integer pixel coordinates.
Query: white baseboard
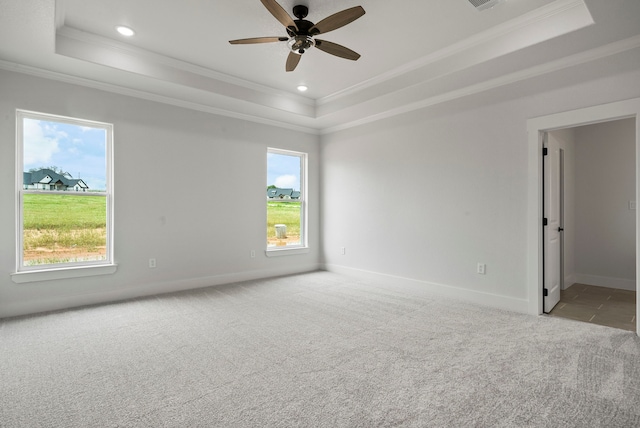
(473, 296)
(33, 306)
(606, 281)
(569, 280)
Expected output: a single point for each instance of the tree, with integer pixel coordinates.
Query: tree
(271, 186)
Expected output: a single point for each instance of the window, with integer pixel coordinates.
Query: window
(286, 200)
(64, 191)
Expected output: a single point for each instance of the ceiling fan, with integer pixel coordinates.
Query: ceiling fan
(302, 32)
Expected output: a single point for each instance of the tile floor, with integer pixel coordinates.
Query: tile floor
(598, 305)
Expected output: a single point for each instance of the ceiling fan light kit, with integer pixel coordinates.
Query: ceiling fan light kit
(302, 32)
(300, 44)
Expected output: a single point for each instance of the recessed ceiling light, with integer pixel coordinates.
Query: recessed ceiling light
(302, 88)
(125, 31)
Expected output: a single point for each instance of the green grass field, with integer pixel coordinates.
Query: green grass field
(62, 227)
(59, 227)
(283, 213)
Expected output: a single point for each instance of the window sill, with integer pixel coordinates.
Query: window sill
(62, 273)
(286, 251)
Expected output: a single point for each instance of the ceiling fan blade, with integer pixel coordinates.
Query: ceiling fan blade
(337, 20)
(279, 13)
(292, 61)
(258, 40)
(337, 50)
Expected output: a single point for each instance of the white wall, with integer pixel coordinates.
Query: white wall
(565, 138)
(427, 195)
(200, 235)
(605, 183)
(423, 196)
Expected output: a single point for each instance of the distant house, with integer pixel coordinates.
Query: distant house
(47, 179)
(277, 193)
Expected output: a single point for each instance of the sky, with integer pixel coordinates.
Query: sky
(78, 150)
(283, 171)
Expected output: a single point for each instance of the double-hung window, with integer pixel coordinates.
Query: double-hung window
(286, 201)
(64, 194)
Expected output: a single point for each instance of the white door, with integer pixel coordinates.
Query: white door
(552, 229)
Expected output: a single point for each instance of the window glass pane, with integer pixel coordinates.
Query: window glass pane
(63, 228)
(283, 223)
(75, 153)
(284, 200)
(66, 164)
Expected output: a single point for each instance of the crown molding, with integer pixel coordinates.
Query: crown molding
(85, 46)
(529, 73)
(532, 72)
(149, 96)
(117, 46)
(571, 11)
(165, 68)
(515, 34)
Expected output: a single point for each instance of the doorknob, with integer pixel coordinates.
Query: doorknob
(560, 229)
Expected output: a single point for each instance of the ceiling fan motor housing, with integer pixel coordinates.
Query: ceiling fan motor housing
(303, 28)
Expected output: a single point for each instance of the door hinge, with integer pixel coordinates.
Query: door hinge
(545, 221)
(545, 152)
(545, 292)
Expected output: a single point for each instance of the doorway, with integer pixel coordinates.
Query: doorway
(590, 254)
(537, 128)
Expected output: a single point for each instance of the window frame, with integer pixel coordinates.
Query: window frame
(70, 269)
(303, 246)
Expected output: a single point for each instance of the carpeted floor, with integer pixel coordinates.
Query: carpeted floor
(314, 350)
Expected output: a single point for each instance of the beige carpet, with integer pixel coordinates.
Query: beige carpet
(315, 350)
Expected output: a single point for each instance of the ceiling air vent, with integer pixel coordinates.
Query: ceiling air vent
(484, 4)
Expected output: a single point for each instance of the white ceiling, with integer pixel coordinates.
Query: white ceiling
(389, 35)
(414, 52)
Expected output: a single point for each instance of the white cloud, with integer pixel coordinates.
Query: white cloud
(38, 148)
(286, 181)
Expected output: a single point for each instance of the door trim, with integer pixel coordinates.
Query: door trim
(561, 219)
(535, 128)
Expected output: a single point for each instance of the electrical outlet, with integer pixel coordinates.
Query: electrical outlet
(152, 263)
(343, 251)
(632, 205)
(482, 268)
(253, 254)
